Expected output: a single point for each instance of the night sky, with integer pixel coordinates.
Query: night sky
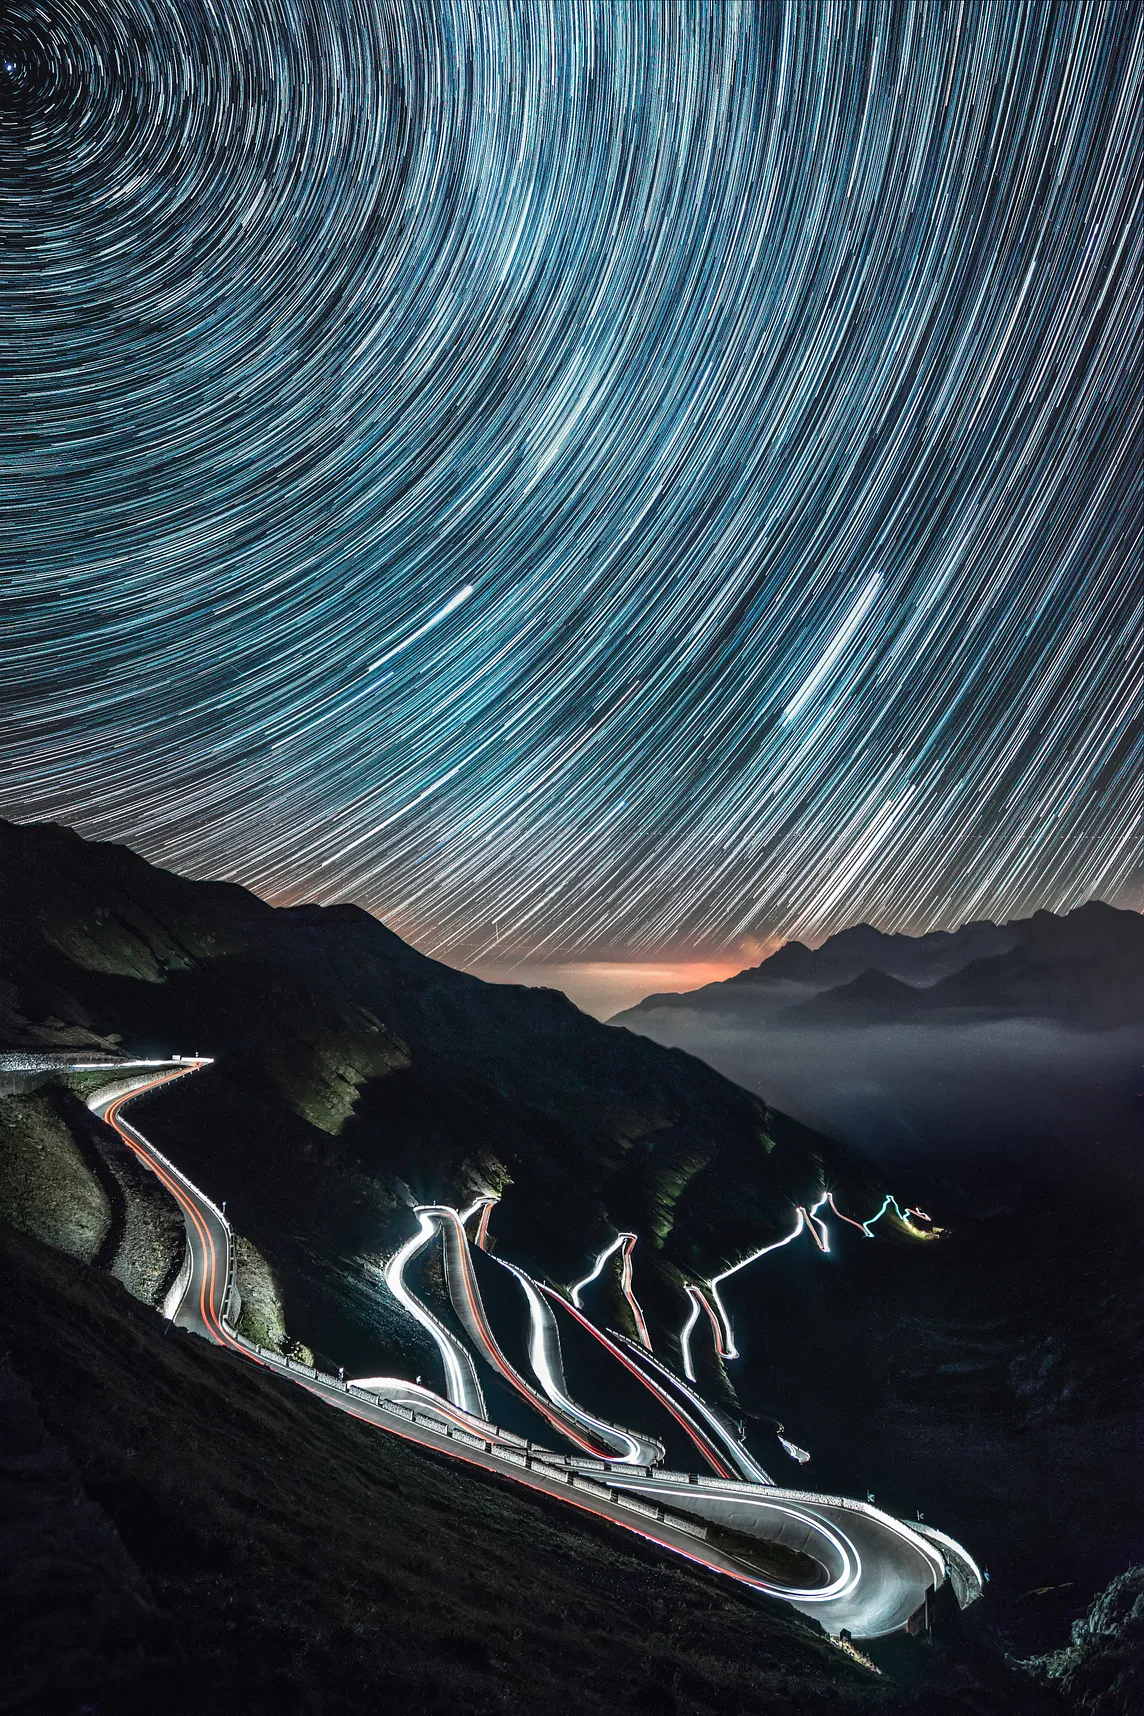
(580, 480)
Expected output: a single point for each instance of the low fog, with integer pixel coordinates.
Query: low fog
(943, 1105)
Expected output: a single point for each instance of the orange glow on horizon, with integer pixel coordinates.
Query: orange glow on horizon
(604, 986)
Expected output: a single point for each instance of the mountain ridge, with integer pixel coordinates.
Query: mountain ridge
(354, 1075)
(1086, 966)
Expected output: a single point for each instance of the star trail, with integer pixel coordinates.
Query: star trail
(578, 476)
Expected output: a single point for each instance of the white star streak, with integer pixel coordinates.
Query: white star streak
(573, 475)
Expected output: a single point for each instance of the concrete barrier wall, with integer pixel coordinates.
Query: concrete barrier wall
(965, 1575)
(180, 1284)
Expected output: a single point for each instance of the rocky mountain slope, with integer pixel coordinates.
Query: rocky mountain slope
(354, 1077)
(66, 1178)
(1101, 1669)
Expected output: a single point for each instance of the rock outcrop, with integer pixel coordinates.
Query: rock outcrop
(47, 1188)
(1101, 1669)
(262, 1317)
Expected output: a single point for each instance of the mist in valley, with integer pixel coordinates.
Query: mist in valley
(945, 1109)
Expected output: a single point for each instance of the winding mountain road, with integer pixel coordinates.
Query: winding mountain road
(877, 1571)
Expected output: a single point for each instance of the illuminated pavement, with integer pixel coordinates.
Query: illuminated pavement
(876, 1569)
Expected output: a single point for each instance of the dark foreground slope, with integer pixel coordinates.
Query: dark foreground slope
(189, 1534)
(355, 1077)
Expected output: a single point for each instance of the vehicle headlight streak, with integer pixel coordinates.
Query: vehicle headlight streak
(729, 1349)
(739, 1455)
(629, 1295)
(890, 1592)
(805, 1217)
(638, 1367)
(596, 1270)
(485, 1203)
(685, 1333)
(544, 1356)
(483, 1225)
(844, 1553)
(469, 1305)
(461, 1380)
(544, 1345)
(700, 1302)
(399, 1388)
(625, 1244)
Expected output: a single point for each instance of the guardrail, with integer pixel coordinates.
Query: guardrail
(965, 1575)
(528, 1459)
(18, 1061)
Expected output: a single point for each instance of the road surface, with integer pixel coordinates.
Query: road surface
(876, 1570)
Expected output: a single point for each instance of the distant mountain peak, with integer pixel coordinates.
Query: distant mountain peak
(790, 960)
(928, 969)
(873, 996)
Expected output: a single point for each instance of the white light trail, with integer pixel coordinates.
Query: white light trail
(806, 1217)
(890, 1589)
(730, 1349)
(740, 1456)
(463, 1388)
(578, 1289)
(544, 1357)
(450, 607)
(841, 638)
(465, 1294)
(628, 1292)
(845, 1552)
(627, 1241)
(685, 1334)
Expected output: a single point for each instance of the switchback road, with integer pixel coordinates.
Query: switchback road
(877, 1571)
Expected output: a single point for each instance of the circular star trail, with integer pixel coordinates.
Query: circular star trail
(599, 474)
